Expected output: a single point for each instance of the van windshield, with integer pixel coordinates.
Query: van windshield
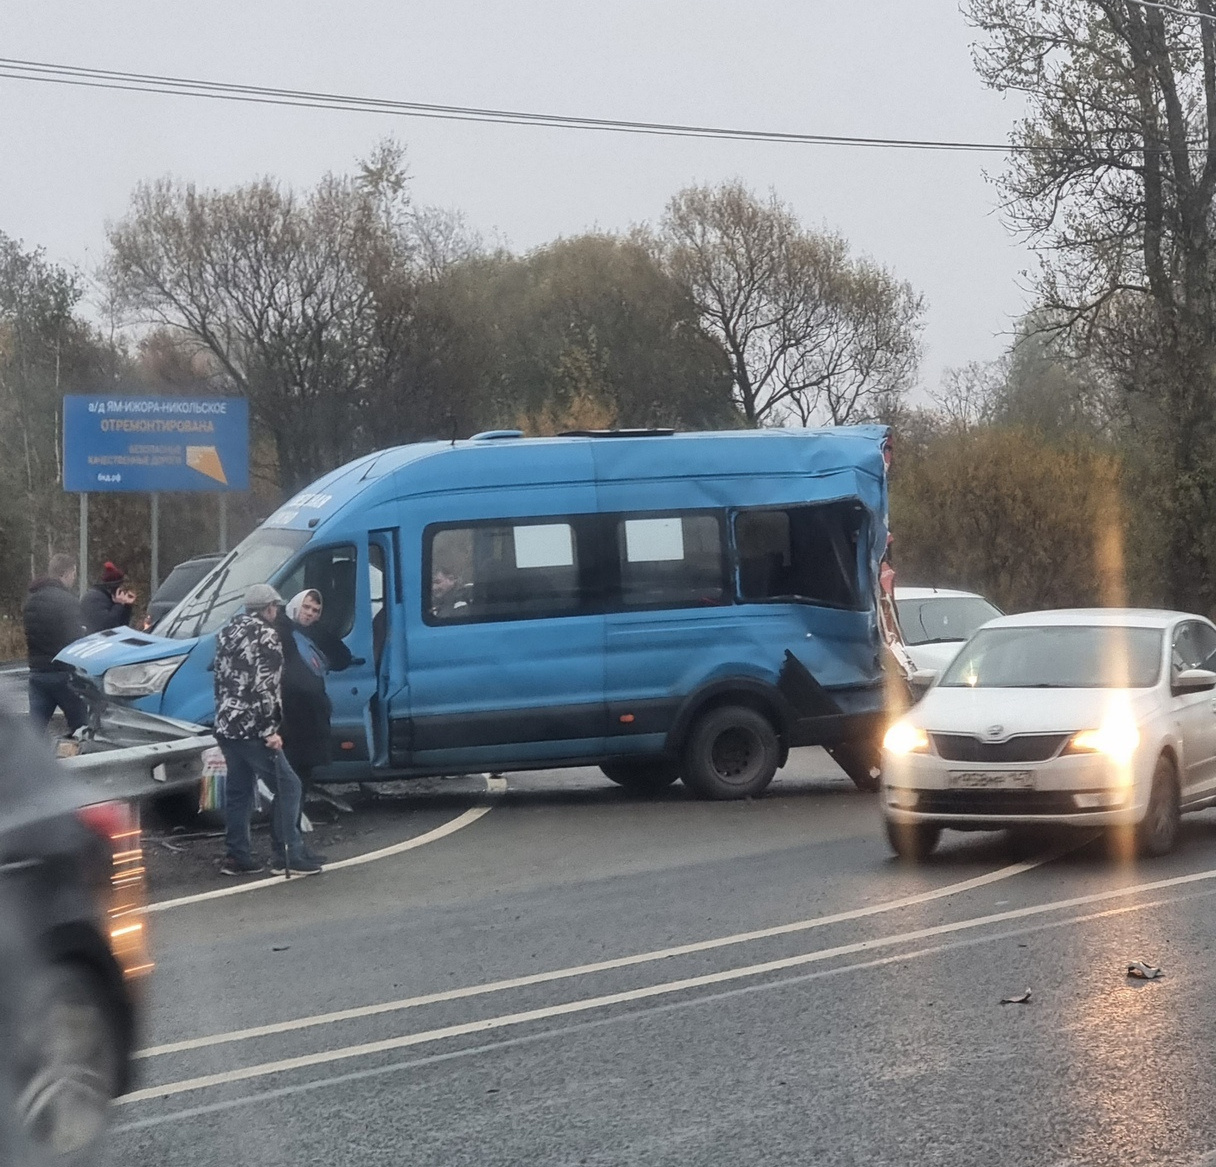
(255, 560)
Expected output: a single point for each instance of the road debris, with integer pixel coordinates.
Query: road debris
(1144, 972)
(279, 947)
(1020, 999)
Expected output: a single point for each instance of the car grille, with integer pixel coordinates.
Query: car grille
(1028, 747)
(996, 802)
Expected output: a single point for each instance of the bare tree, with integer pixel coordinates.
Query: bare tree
(287, 293)
(1115, 184)
(810, 333)
(968, 395)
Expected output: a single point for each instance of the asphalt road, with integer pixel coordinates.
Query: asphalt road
(583, 976)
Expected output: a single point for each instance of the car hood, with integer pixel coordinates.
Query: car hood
(934, 656)
(964, 710)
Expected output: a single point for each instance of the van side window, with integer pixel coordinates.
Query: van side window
(805, 553)
(671, 561)
(332, 571)
(503, 571)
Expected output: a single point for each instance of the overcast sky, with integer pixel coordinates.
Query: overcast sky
(881, 68)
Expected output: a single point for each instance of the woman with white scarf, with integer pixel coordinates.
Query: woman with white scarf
(306, 705)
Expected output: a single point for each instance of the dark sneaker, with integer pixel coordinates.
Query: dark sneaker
(302, 865)
(232, 866)
(315, 856)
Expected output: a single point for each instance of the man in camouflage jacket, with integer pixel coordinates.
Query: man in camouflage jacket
(248, 714)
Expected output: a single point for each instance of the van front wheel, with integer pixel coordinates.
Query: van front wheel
(732, 752)
(644, 777)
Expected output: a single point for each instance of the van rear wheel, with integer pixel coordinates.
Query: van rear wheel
(732, 752)
(646, 777)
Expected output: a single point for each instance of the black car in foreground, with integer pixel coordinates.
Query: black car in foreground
(73, 954)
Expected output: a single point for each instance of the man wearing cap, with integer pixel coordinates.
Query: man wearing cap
(108, 603)
(248, 715)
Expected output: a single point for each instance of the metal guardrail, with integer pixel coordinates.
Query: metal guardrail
(135, 772)
(128, 754)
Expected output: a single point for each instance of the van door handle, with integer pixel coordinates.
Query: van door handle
(358, 660)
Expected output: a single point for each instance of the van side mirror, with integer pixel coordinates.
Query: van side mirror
(920, 680)
(1193, 681)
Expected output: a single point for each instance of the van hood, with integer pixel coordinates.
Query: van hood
(959, 709)
(93, 655)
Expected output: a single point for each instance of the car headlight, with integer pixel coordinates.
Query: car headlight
(140, 680)
(1117, 740)
(905, 738)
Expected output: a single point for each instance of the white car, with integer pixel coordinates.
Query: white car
(937, 622)
(1090, 717)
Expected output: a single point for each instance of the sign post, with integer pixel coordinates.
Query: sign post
(155, 508)
(152, 445)
(82, 571)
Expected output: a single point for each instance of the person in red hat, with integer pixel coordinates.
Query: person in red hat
(108, 603)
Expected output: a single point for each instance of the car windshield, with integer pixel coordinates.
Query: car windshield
(1058, 657)
(213, 601)
(943, 618)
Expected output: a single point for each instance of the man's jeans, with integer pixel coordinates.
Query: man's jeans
(51, 689)
(247, 761)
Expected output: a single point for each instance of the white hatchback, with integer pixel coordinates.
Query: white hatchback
(1089, 717)
(936, 622)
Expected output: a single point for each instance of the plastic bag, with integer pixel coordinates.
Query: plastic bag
(211, 787)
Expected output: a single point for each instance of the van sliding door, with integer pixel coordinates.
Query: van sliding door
(506, 655)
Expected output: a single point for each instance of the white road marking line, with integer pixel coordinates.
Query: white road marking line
(579, 1026)
(520, 982)
(586, 1004)
(470, 816)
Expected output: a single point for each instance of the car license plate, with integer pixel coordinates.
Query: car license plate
(991, 779)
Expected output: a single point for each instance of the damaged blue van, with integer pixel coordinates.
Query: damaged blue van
(662, 605)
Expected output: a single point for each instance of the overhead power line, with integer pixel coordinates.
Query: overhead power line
(191, 87)
(76, 75)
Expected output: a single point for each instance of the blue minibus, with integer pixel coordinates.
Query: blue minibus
(662, 605)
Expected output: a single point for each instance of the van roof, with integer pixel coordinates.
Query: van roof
(500, 458)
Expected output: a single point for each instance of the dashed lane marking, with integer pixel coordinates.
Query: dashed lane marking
(331, 1081)
(663, 988)
(951, 889)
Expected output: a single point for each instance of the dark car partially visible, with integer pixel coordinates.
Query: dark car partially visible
(178, 584)
(73, 954)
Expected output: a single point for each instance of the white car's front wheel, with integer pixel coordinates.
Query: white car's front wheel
(1157, 832)
(913, 842)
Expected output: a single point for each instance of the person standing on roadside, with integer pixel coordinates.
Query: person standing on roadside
(52, 621)
(108, 603)
(306, 705)
(248, 719)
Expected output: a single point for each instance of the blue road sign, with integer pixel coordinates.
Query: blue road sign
(155, 443)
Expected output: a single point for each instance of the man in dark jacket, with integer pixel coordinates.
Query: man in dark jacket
(248, 719)
(52, 622)
(108, 603)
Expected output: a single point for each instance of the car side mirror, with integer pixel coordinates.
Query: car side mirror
(1193, 681)
(920, 680)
